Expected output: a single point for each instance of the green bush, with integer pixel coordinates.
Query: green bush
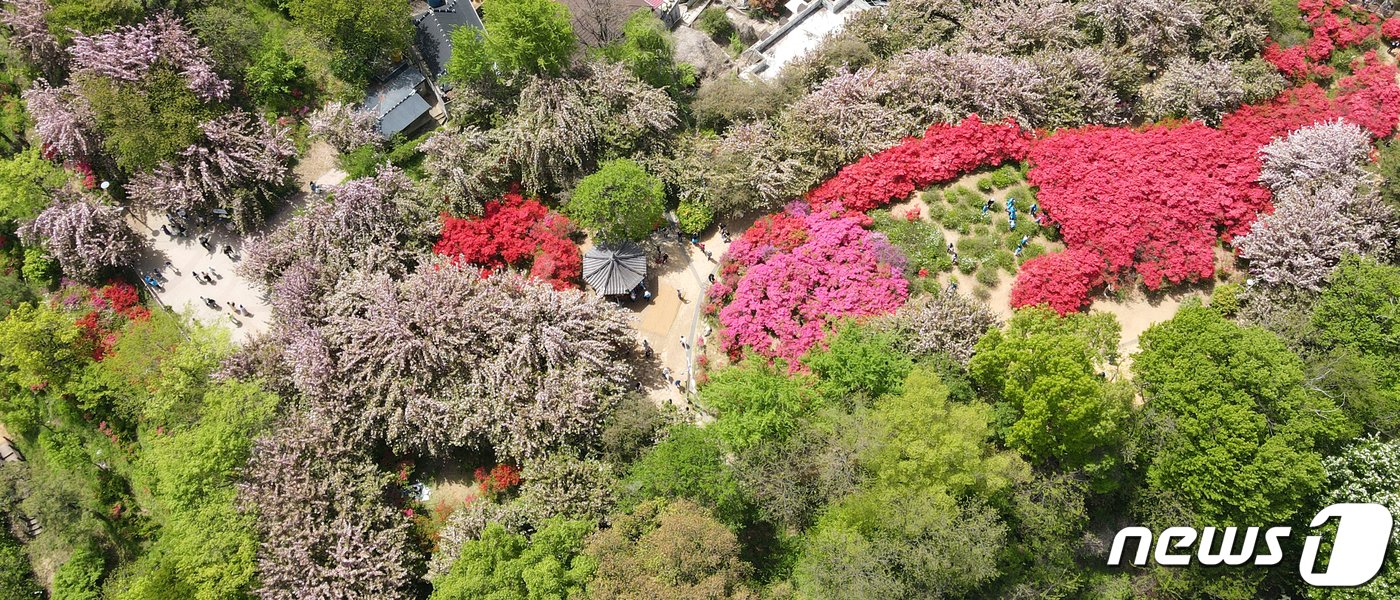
(16, 579)
(985, 185)
(979, 249)
(920, 241)
(694, 217)
(987, 277)
(78, 577)
(148, 121)
(1225, 298)
(273, 76)
(1005, 177)
(961, 218)
(714, 21)
(962, 195)
(361, 162)
(39, 269)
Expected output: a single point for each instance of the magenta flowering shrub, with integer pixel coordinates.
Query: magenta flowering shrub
(796, 274)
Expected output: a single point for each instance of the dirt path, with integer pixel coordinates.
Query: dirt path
(173, 260)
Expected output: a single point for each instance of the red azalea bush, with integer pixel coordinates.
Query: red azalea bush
(1155, 199)
(1390, 29)
(1335, 26)
(113, 305)
(514, 232)
(782, 288)
(1062, 280)
(491, 484)
(943, 154)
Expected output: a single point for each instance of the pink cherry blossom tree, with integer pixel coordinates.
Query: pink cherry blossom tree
(239, 166)
(29, 32)
(87, 238)
(63, 121)
(129, 53)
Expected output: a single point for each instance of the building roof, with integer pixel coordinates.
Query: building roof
(434, 28)
(395, 102)
(614, 269)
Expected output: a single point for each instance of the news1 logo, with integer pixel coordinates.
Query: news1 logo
(1358, 550)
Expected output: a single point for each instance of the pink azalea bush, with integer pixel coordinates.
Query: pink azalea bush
(788, 278)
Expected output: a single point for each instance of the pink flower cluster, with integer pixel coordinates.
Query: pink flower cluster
(943, 154)
(1154, 200)
(794, 273)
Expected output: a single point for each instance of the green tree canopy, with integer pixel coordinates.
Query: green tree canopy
(859, 364)
(1357, 321)
(649, 53)
(507, 566)
(523, 37)
(929, 442)
(667, 551)
(690, 464)
(358, 33)
(25, 182)
(621, 201)
(758, 403)
(40, 345)
(1051, 404)
(1236, 430)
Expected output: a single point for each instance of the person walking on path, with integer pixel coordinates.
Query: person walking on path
(684, 344)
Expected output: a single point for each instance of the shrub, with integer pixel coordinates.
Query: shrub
(988, 277)
(694, 217)
(792, 275)
(920, 241)
(985, 185)
(714, 21)
(39, 269)
(518, 233)
(943, 153)
(1005, 177)
(77, 578)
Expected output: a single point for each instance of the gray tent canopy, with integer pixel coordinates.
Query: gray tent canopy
(614, 268)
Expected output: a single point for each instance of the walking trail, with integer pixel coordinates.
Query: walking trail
(182, 292)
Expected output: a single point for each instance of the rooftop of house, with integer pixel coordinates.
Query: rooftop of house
(434, 29)
(394, 100)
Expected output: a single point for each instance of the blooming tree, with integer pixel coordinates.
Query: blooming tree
(373, 223)
(326, 531)
(514, 232)
(1326, 205)
(63, 120)
(343, 126)
(238, 166)
(445, 358)
(462, 167)
(87, 238)
(850, 113)
(948, 323)
(129, 53)
(30, 33)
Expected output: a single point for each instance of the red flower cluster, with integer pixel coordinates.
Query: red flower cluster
(1154, 200)
(1390, 29)
(499, 479)
(112, 305)
(1335, 26)
(514, 232)
(943, 154)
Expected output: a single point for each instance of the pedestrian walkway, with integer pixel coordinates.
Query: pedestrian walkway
(174, 260)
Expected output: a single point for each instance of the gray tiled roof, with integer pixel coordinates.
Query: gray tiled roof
(434, 32)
